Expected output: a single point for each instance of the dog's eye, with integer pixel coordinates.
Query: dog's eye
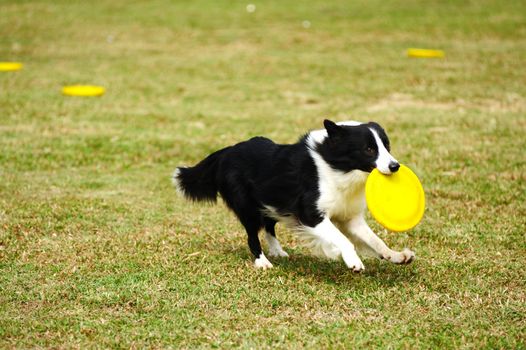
(369, 151)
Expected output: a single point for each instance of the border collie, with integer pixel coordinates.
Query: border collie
(315, 186)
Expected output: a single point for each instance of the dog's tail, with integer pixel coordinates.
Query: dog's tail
(199, 182)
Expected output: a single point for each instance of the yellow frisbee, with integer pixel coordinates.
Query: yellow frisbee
(396, 201)
(10, 66)
(424, 53)
(83, 90)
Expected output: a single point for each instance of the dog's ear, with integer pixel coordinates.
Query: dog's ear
(332, 128)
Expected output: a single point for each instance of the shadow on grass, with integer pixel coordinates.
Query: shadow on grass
(377, 272)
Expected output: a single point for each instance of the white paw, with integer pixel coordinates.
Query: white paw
(278, 253)
(406, 256)
(353, 262)
(274, 248)
(262, 262)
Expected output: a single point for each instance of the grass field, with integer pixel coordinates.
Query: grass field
(97, 251)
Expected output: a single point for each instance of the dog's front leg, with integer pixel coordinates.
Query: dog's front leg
(326, 232)
(362, 235)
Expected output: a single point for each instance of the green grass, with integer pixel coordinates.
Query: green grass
(97, 251)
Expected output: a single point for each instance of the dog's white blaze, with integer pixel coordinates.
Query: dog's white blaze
(384, 157)
(349, 123)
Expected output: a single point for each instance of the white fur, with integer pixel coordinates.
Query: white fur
(367, 240)
(341, 198)
(342, 195)
(325, 238)
(288, 220)
(262, 262)
(176, 183)
(384, 157)
(317, 136)
(274, 248)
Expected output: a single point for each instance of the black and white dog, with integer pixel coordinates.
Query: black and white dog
(316, 186)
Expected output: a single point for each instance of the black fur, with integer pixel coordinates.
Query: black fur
(199, 182)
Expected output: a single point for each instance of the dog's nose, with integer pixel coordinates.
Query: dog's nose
(394, 166)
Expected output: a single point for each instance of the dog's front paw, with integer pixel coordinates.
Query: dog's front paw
(262, 262)
(406, 256)
(353, 262)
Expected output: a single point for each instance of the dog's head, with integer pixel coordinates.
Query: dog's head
(357, 147)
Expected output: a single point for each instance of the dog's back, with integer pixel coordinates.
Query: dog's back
(227, 170)
(257, 172)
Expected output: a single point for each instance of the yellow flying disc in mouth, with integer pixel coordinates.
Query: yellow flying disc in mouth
(10, 66)
(83, 90)
(424, 53)
(396, 201)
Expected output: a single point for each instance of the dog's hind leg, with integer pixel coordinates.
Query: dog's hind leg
(253, 221)
(245, 208)
(254, 244)
(252, 224)
(364, 237)
(274, 248)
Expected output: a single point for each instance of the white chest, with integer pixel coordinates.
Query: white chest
(342, 196)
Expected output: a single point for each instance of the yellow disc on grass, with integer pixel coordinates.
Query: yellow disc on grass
(396, 201)
(10, 66)
(83, 90)
(424, 53)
